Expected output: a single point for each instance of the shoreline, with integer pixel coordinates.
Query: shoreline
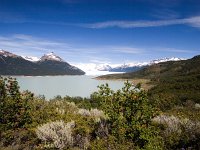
(37, 75)
(145, 83)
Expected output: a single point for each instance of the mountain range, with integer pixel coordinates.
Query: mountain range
(130, 67)
(49, 64)
(163, 69)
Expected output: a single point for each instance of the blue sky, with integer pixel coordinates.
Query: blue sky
(101, 31)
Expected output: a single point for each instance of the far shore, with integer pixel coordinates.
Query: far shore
(145, 83)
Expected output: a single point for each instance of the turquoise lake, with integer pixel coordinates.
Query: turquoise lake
(51, 86)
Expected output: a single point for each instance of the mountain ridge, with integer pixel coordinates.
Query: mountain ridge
(12, 64)
(51, 56)
(129, 67)
(161, 70)
(31, 58)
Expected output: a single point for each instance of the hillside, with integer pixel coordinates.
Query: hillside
(175, 83)
(133, 67)
(161, 70)
(61, 68)
(12, 64)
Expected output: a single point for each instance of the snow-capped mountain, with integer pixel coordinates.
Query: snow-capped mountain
(129, 67)
(49, 64)
(7, 54)
(51, 56)
(30, 58)
(105, 68)
(53, 62)
(164, 60)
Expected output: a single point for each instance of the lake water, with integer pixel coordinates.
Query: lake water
(51, 86)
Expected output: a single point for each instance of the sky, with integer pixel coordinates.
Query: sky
(101, 31)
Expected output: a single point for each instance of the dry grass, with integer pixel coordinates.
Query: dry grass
(145, 83)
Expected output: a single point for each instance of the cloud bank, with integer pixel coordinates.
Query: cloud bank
(192, 21)
(28, 45)
(25, 44)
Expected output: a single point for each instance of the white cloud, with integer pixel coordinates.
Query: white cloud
(99, 61)
(26, 44)
(175, 50)
(192, 21)
(127, 50)
(165, 13)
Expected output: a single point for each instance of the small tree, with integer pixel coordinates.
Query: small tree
(130, 113)
(14, 109)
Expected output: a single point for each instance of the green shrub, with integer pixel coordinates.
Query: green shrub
(129, 113)
(14, 108)
(111, 143)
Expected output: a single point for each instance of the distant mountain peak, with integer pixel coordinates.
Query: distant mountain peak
(133, 66)
(31, 58)
(51, 56)
(49, 64)
(7, 54)
(165, 60)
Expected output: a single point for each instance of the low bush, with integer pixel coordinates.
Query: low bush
(56, 134)
(179, 132)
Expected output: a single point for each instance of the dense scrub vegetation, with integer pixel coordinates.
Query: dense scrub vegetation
(125, 119)
(162, 70)
(175, 83)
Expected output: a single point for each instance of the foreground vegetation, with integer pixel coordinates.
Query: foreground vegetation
(130, 118)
